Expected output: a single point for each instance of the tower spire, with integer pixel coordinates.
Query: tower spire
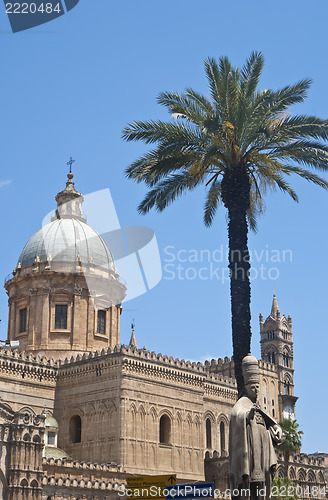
(275, 308)
(133, 341)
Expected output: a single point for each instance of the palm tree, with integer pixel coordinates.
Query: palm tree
(238, 143)
(292, 439)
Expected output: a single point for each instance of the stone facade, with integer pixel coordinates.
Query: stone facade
(80, 413)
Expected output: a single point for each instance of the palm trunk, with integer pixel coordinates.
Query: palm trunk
(236, 194)
(286, 461)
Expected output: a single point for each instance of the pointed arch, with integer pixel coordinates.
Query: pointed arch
(142, 422)
(133, 420)
(189, 429)
(311, 476)
(153, 424)
(292, 473)
(321, 478)
(178, 429)
(165, 429)
(198, 432)
(280, 471)
(301, 475)
(75, 429)
(208, 434)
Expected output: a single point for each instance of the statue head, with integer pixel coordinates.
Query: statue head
(251, 374)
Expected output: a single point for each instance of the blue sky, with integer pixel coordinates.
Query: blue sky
(70, 86)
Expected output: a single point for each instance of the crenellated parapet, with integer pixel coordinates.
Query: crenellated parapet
(29, 366)
(145, 363)
(70, 477)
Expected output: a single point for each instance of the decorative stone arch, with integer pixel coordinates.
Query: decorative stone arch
(165, 427)
(102, 408)
(167, 412)
(321, 478)
(178, 429)
(286, 356)
(142, 422)
(223, 418)
(189, 426)
(280, 471)
(311, 477)
(75, 428)
(34, 484)
(153, 412)
(153, 424)
(270, 354)
(287, 381)
(27, 437)
(223, 433)
(36, 438)
(198, 431)
(209, 414)
(24, 483)
(292, 473)
(111, 406)
(133, 420)
(301, 475)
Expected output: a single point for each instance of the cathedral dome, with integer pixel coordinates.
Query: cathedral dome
(68, 240)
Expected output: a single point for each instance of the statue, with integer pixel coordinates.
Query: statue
(252, 434)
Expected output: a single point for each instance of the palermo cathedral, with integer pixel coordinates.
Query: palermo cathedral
(80, 413)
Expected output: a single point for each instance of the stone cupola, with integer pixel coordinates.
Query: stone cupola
(65, 294)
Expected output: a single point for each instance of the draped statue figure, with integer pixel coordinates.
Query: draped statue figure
(252, 435)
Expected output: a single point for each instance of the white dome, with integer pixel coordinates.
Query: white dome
(67, 240)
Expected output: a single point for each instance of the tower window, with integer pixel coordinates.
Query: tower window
(101, 322)
(285, 360)
(61, 317)
(271, 357)
(75, 429)
(22, 320)
(208, 434)
(286, 388)
(165, 429)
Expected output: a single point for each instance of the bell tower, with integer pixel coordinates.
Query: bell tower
(277, 349)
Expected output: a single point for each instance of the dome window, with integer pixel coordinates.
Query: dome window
(61, 317)
(101, 322)
(22, 320)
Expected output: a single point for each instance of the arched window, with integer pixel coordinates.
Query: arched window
(271, 357)
(165, 429)
(222, 438)
(286, 388)
(285, 359)
(75, 429)
(208, 433)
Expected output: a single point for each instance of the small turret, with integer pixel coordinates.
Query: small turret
(261, 321)
(133, 340)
